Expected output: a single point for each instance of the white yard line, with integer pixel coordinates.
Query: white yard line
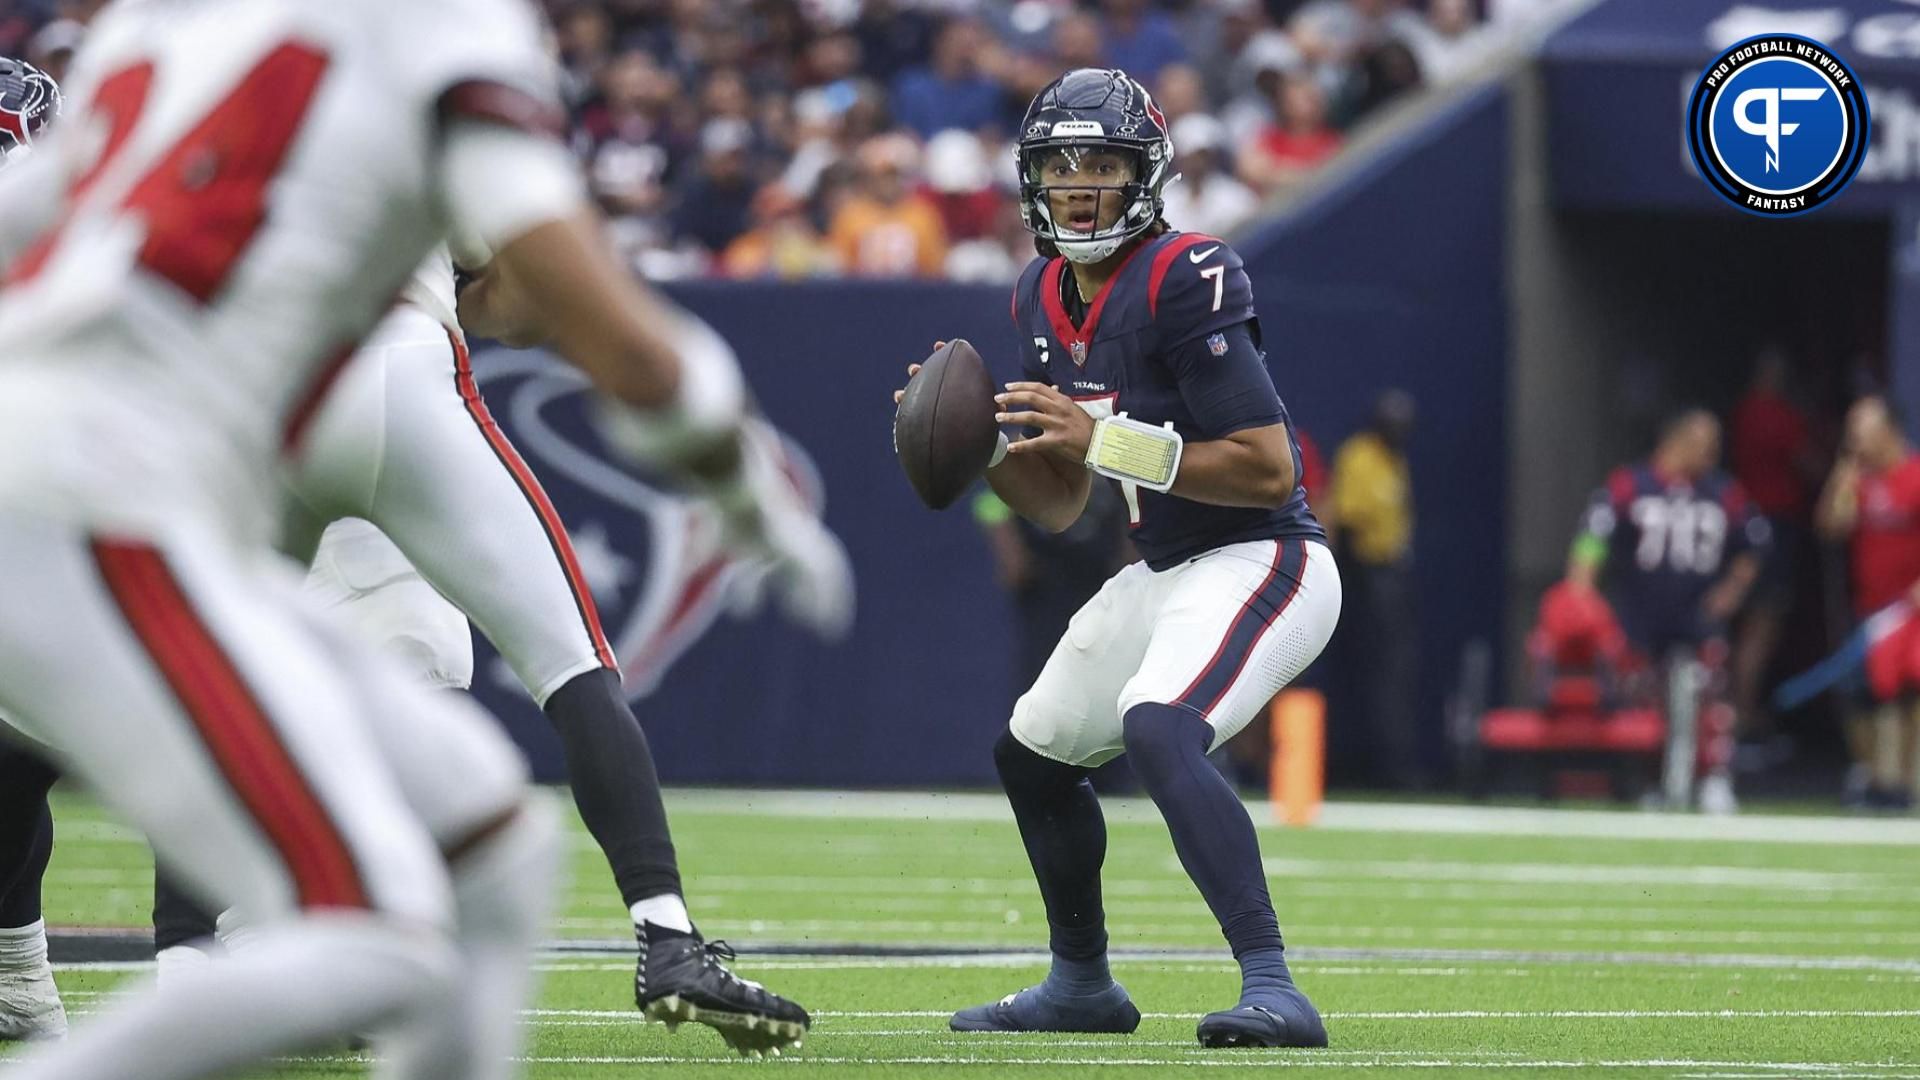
(1446, 1014)
(620, 1017)
(608, 956)
(1336, 816)
(998, 930)
(1569, 873)
(1293, 1059)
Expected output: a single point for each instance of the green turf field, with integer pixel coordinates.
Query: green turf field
(1512, 941)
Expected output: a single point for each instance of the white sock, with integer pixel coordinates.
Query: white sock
(177, 962)
(666, 910)
(30, 1006)
(24, 948)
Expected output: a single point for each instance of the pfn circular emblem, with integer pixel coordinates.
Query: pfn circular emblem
(1778, 125)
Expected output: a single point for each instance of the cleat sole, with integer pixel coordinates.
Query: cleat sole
(748, 1033)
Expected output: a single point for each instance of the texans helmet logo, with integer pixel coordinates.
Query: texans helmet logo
(29, 100)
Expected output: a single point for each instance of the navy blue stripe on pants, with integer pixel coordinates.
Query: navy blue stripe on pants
(1261, 610)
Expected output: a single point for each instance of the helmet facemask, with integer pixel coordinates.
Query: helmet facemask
(1065, 201)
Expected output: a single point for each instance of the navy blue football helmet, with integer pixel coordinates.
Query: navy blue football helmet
(29, 100)
(1087, 110)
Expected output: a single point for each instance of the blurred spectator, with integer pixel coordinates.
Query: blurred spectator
(887, 228)
(893, 36)
(1206, 198)
(624, 136)
(1774, 459)
(950, 92)
(1179, 92)
(816, 134)
(996, 259)
(1138, 40)
(1302, 139)
(1872, 500)
(714, 205)
(831, 60)
(960, 183)
(1076, 44)
(584, 37)
(1336, 32)
(1452, 41)
(782, 242)
(628, 149)
(1773, 455)
(1385, 72)
(1372, 512)
(816, 79)
(1258, 72)
(1220, 34)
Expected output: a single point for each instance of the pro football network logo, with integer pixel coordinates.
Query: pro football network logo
(1778, 125)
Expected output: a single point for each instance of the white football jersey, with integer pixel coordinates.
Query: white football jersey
(248, 186)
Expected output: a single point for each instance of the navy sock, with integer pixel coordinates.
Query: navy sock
(1066, 840)
(1214, 837)
(1078, 978)
(1263, 974)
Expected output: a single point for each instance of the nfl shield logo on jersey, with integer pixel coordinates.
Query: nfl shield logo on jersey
(1079, 350)
(1217, 344)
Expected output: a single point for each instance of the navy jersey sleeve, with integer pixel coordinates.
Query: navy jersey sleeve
(1026, 306)
(1198, 286)
(1223, 380)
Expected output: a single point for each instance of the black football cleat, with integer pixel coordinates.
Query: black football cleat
(1286, 1019)
(681, 978)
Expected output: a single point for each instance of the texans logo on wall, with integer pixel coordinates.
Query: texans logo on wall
(652, 558)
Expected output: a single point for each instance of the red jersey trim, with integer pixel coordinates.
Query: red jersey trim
(1163, 262)
(498, 103)
(1063, 328)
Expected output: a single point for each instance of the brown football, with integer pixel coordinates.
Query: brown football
(944, 432)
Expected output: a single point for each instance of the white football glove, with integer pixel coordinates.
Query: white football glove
(768, 521)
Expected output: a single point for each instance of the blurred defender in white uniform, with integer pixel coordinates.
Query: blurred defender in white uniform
(242, 186)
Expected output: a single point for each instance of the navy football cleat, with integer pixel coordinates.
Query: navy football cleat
(1290, 1020)
(681, 978)
(1109, 1012)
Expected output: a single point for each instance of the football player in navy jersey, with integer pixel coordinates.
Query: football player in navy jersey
(1143, 364)
(1677, 545)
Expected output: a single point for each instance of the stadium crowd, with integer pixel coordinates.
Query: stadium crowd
(807, 138)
